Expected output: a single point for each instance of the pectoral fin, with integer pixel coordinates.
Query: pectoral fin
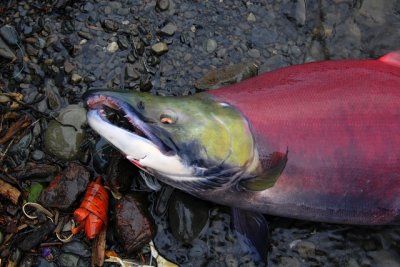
(273, 166)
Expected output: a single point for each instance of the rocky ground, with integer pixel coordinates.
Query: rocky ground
(52, 52)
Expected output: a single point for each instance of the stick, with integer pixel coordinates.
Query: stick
(99, 248)
(10, 192)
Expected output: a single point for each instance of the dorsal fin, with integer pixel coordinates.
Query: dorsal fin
(392, 58)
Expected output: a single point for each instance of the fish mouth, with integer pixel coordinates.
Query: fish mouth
(109, 115)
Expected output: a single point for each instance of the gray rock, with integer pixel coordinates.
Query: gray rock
(9, 34)
(88, 7)
(162, 4)
(131, 72)
(211, 45)
(110, 25)
(300, 12)
(254, 53)
(287, 261)
(67, 260)
(64, 141)
(168, 29)
(77, 248)
(159, 48)
(387, 258)
(5, 51)
(85, 35)
(305, 249)
(38, 155)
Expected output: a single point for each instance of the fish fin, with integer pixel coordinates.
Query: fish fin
(252, 231)
(273, 166)
(392, 58)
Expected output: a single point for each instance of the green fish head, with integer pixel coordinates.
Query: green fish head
(194, 141)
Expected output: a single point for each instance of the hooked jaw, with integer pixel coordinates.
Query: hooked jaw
(138, 143)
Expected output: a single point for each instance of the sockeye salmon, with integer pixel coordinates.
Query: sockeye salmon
(318, 141)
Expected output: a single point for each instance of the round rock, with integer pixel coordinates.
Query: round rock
(63, 141)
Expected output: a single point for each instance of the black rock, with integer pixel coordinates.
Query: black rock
(9, 34)
(37, 236)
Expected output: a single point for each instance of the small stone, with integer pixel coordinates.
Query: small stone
(9, 34)
(231, 261)
(77, 248)
(387, 258)
(110, 25)
(112, 47)
(87, 7)
(67, 260)
(38, 155)
(68, 67)
(211, 45)
(131, 72)
(85, 35)
(168, 29)
(162, 4)
(288, 262)
(305, 249)
(123, 42)
(159, 48)
(251, 17)
(254, 53)
(76, 78)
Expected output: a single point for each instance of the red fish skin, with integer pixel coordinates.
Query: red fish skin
(340, 121)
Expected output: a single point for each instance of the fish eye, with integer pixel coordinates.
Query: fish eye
(167, 119)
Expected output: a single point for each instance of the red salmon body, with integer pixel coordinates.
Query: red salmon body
(340, 123)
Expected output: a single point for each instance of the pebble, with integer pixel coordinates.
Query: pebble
(88, 7)
(5, 51)
(110, 25)
(77, 248)
(287, 261)
(76, 78)
(9, 34)
(112, 47)
(254, 53)
(251, 17)
(85, 35)
(67, 260)
(38, 155)
(211, 45)
(160, 48)
(305, 249)
(68, 67)
(169, 29)
(162, 4)
(131, 72)
(64, 141)
(387, 258)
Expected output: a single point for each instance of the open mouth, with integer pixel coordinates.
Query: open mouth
(111, 110)
(118, 113)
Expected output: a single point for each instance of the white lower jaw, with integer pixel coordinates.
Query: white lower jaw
(138, 148)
